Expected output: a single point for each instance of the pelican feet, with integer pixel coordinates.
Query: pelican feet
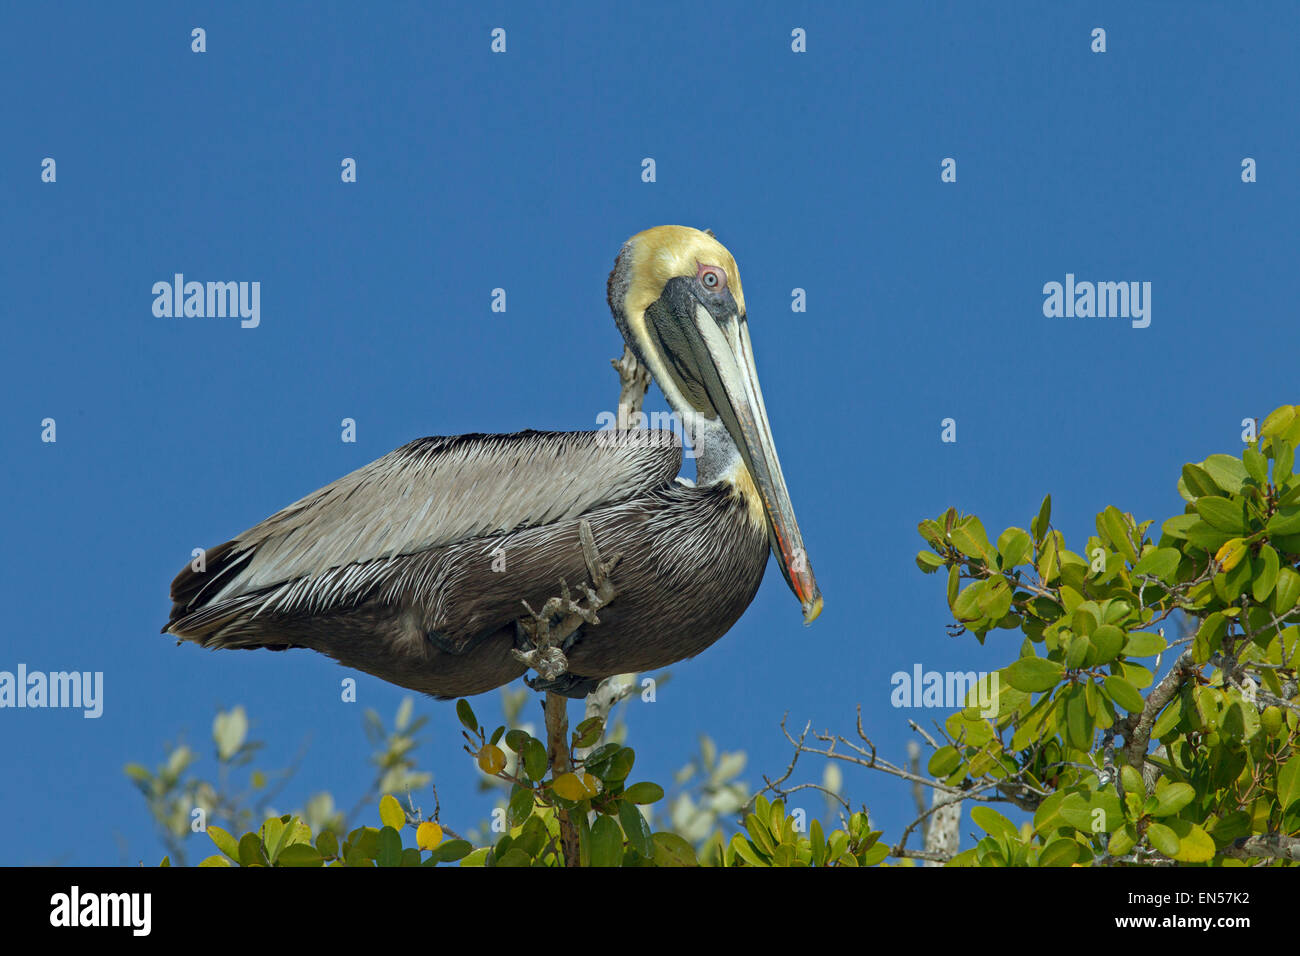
(566, 685)
(543, 636)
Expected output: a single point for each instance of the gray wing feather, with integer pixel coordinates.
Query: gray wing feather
(435, 492)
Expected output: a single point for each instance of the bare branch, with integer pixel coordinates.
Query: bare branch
(1266, 845)
(1138, 733)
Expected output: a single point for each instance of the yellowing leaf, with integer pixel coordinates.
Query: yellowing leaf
(1230, 555)
(568, 786)
(428, 835)
(1194, 844)
(1288, 782)
(491, 759)
(391, 812)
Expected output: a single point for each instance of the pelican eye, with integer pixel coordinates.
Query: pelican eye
(712, 278)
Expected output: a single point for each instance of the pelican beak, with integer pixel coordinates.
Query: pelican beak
(718, 352)
(739, 401)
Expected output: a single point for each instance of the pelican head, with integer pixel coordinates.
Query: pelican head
(675, 293)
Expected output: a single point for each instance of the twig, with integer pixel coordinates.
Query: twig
(634, 380)
(1269, 845)
(1138, 734)
(548, 641)
(557, 748)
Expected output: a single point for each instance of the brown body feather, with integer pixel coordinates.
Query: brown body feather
(432, 604)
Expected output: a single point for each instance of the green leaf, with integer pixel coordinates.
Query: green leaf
(1159, 562)
(466, 715)
(1142, 644)
(1198, 481)
(1222, 514)
(1283, 461)
(299, 854)
(1206, 538)
(328, 844)
(1076, 812)
(1078, 722)
(637, 830)
(1264, 570)
(606, 842)
(1038, 527)
(995, 601)
(1256, 466)
(450, 851)
(1179, 525)
(1014, 546)
(645, 792)
(391, 812)
(1278, 422)
(932, 532)
(226, 843)
(1108, 639)
(1135, 674)
(520, 806)
(1163, 839)
(1059, 852)
(273, 834)
(390, 847)
(928, 561)
(1077, 651)
(1228, 472)
(944, 761)
(875, 855)
(588, 732)
(1285, 521)
(994, 823)
(672, 850)
(535, 759)
(620, 767)
(1115, 527)
(1288, 782)
(215, 860)
(970, 539)
(1034, 674)
(1049, 558)
(1230, 826)
(1124, 694)
(1287, 592)
(1209, 636)
(514, 857)
(966, 607)
(747, 851)
(250, 851)
(1171, 799)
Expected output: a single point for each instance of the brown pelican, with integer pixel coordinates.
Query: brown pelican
(414, 568)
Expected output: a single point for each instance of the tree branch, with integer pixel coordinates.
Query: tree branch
(1138, 734)
(634, 380)
(1272, 845)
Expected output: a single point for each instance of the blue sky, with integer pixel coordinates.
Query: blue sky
(522, 170)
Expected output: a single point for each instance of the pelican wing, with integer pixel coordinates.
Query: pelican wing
(427, 494)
